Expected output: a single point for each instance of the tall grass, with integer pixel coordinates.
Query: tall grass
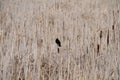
(89, 31)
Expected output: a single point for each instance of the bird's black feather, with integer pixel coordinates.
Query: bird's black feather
(58, 42)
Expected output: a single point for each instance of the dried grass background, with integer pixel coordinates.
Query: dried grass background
(89, 31)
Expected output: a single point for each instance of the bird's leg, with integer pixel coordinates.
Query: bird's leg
(58, 50)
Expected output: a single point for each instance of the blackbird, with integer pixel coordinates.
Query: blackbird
(58, 42)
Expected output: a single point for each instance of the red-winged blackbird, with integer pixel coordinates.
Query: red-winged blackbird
(58, 42)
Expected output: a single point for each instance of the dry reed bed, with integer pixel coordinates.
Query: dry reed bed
(89, 31)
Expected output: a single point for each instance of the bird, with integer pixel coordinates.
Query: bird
(58, 42)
